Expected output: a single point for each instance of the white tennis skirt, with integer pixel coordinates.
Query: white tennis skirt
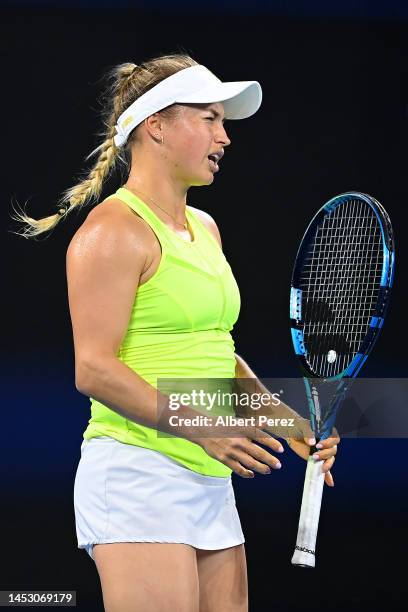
(127, 493)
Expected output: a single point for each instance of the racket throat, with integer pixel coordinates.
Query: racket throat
(316, 412)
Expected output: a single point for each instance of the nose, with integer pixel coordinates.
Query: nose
(223, 136)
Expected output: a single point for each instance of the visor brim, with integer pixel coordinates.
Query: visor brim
(240, 99)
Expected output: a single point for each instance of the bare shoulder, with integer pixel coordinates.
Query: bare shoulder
(208, 221)
(111, 224)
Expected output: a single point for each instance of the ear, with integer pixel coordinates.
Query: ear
(154, 125)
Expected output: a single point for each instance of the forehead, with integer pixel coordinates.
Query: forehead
(215, 107)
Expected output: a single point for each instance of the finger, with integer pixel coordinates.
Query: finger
(328, 464)
(322, 455)
(238, 469)
(261, 455)
(328, 442)
(250, 462)
(267, 440)
(310, 440)
(328, 479)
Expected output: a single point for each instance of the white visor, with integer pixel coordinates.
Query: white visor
(193, 85)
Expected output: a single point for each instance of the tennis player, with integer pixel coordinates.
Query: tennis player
(152, 295)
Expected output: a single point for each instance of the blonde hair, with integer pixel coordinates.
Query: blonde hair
(126, 83)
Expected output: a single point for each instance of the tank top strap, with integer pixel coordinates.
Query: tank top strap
(142, 209)
(203, 241)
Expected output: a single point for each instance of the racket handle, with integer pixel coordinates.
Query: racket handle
(304, 554)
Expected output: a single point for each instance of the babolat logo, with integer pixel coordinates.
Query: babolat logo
(127, 121)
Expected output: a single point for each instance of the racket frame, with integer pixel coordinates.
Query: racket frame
(304, 554)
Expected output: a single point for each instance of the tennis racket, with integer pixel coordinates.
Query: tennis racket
(339, 295)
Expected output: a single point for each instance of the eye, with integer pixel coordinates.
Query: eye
(212, 117)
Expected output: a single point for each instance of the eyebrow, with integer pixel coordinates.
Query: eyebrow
(216, 113)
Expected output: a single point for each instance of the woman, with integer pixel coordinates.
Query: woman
(151, 295)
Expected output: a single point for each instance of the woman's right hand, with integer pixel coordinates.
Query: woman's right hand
(241, 454)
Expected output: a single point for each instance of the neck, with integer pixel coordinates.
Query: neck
(163, 193)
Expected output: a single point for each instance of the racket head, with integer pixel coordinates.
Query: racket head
(341, 284)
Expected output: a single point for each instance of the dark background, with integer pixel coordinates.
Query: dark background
(333, 119)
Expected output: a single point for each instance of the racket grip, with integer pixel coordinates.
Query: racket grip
(304, 554)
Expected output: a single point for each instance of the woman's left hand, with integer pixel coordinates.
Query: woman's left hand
(326, 451)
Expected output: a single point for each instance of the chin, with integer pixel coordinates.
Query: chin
(200, 182)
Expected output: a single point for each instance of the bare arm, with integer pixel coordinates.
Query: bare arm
(105, 260)
(242, 370)
(301, 426)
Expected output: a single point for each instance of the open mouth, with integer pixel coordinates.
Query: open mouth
(213, 163)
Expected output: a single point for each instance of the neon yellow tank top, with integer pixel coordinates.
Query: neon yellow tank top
(179, 327)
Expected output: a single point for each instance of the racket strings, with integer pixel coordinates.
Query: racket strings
(340, 280)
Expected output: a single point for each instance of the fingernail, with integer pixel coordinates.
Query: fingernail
(278, 466)
(268, 471)
(312, 441)
(320, 445)
(316, 456)
(280, 449)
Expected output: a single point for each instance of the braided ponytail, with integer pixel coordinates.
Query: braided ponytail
(126, 83)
